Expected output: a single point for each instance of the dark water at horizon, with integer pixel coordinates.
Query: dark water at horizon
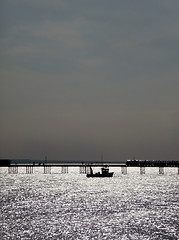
(71, 206)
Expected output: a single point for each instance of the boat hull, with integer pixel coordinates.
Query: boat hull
(99, 175)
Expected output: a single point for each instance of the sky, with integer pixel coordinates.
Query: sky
(82, 77)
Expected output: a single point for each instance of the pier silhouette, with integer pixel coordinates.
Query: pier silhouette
(84, 168)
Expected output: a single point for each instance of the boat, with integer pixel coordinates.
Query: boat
(104, 173)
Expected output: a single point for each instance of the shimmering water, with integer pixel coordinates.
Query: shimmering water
(71, 206)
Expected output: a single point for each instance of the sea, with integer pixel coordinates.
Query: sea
(69, 205)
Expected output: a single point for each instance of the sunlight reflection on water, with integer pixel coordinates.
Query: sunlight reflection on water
(71, 206)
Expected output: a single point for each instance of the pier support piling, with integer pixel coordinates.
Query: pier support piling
(142, 170)
(124, 170)
(64, 169)
(82, 169)
(161, 170)
(87, 170)
(29, 169)
(13, 169)
(47, 169)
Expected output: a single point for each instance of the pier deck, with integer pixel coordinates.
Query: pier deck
(68, 164)
(128, 163)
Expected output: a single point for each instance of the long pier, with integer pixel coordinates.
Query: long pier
(84, 167)
(128, 163)
(66, 164)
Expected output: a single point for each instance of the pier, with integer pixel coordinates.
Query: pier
(84, 167)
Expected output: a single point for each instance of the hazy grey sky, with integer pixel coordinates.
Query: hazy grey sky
(81, 77)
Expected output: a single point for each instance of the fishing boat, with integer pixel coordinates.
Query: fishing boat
(104, 173)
